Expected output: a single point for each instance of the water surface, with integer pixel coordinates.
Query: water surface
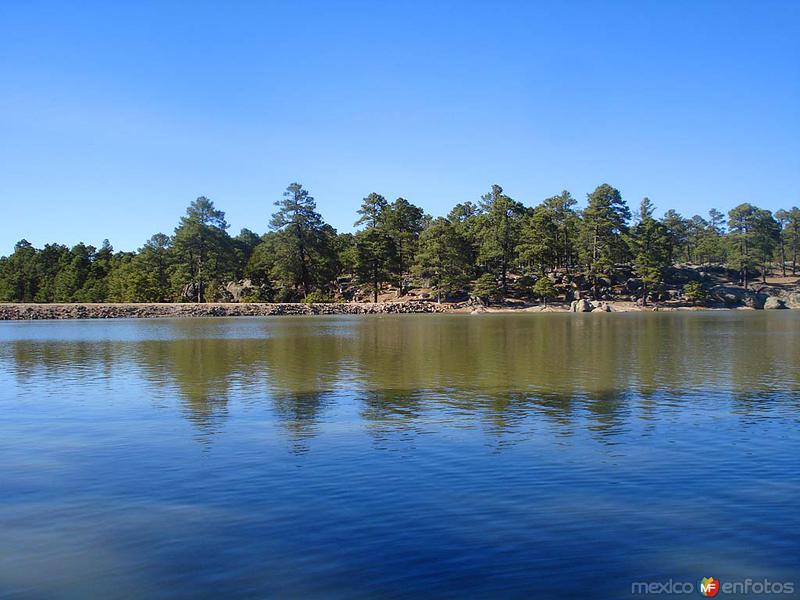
(458, 456)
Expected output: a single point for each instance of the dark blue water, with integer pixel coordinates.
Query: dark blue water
(498, 456)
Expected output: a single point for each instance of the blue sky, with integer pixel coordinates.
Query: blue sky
(114, 115)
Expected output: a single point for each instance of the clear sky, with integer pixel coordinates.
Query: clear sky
(115, 115)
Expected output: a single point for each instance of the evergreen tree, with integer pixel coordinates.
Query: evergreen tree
(372, 211)
(439, 259)
(695, 293)
(303, 244)
(486, 289)
(766, 238)
(710, 245)
(545, 289)
(73, 273)
(563, 215)
(539, 239)
(649, 240)
(19, 274)
(676, 227)
(465, 218)
(754, 237)
(202, 248)
(792, 234)
(374, 258)
(243, 246)
(605, 221)
(403, 222)
(499, 225)
(742, 224)
(260, 267)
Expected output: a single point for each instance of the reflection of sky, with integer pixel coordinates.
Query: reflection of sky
(378, 458)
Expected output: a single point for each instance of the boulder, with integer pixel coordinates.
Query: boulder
(680, 276)
(791, 299)
(736, 296)
(602, 307)
(236, 289)
(633, 285)
(773, 303)
(582, 305)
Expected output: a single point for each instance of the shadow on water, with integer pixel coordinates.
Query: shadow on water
(499, 370)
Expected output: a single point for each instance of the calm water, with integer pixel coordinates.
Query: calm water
(508, 456)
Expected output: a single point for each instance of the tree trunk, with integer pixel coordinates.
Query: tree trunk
(303, 260)
(746, 257)
(783, 256)
(200, 277)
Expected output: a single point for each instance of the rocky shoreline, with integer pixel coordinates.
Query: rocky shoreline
(26, 312)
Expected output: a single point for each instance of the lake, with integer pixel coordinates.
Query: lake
(425, 456)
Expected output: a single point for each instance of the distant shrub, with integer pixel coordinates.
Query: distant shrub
(695, 293)
(545, 289)
(316, 297)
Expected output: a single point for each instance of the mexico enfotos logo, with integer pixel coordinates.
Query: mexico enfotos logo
(711, 586)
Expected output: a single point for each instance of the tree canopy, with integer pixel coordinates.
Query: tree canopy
(488, 248)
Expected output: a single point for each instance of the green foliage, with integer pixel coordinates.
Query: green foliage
(316, 297)
(562, 213)
(498, 232)
(344, 245)
(375, 258)
(303, 257)
(486, 288)
(754, 235)
(371, 211)
(710, 246)
(465, 218)
(677, 234)
(650, 247)
(440, 260)
(789, 223)
(695, 293)
(402, 223)
(203, 250)
(303, 245)
(545, 289)
(604, 224)
(20, 279)
(538, 240)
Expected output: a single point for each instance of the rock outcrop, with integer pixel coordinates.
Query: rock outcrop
(20, 312)
(773, 303)
(735, 296)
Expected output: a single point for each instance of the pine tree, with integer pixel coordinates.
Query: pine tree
(303, 245)
(649, 240)
(545, 288)
(202, 247)
(499, 232)
(605, 221)
(439, 260)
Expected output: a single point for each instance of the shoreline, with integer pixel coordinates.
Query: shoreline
(71, 311)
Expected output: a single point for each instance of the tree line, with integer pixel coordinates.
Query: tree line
(490, 248)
